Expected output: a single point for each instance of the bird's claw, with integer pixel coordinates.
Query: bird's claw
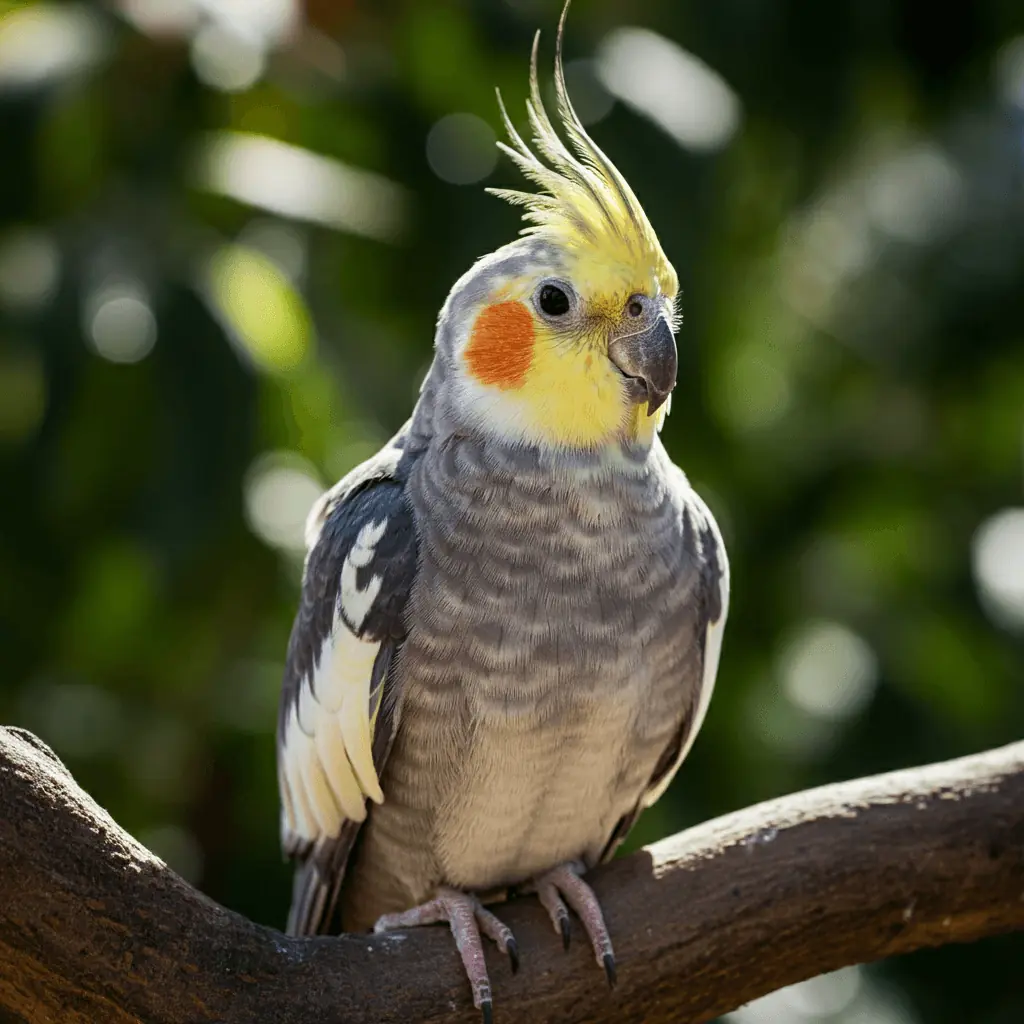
(563, 924)
(512, 949)
(468, 919)
(609, 969)
(564, 885)
(558, 890)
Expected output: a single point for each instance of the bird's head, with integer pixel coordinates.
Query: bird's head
(564, 337)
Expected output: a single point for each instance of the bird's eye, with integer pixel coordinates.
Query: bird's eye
(635, 308)
(553, 301)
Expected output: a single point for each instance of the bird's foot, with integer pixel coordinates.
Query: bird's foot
(468, 918)
(563, 885)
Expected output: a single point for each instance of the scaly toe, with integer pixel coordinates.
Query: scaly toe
(494, 928)
(467, 919)
(565, 882)
(553, 904)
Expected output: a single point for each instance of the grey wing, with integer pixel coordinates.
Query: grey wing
(341, 698)
(704, 545)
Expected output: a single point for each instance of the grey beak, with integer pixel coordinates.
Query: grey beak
(649, 358)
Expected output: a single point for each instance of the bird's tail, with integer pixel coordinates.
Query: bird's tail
(319, 873)
(313, 902)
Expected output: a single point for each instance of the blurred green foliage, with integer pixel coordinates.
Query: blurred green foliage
(225, 232)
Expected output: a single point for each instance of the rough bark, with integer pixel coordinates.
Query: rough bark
(94, 928)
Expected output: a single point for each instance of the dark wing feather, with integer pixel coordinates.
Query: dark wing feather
(340, 699)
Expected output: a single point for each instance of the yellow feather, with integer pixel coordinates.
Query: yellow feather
(572, 395)
(586, 207)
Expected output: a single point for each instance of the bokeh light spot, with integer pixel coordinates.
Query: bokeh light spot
(226, 60)
(293, 182)
(119, 322)
(822, 997)
(270, 21)
(266, 315)
(161, 17)
(913, 195)
(998, 557)
(461, 149)
(846, 996)
(828, 671)
(280, 489)
(676, 90)
(46, 42)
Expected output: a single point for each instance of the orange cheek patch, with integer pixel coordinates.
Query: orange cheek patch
(501, 346)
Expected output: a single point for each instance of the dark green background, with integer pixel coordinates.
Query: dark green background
(851, 395)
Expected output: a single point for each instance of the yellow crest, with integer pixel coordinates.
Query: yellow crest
(585, 202)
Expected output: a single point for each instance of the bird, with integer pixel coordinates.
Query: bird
(511, 616)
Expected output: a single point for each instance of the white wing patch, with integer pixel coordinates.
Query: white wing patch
(356, 602)
(712, 653)
(327, 770)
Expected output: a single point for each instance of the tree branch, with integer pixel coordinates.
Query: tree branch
(94, 928)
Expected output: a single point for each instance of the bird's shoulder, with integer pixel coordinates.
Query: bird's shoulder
(387, 468)
(699, 536)
(361, 532)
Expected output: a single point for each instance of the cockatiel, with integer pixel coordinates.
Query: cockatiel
(512, 615)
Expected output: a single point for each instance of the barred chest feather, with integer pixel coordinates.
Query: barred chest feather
(556, 651)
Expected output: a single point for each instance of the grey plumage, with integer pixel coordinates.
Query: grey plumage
(545, 674)
(556, 657)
